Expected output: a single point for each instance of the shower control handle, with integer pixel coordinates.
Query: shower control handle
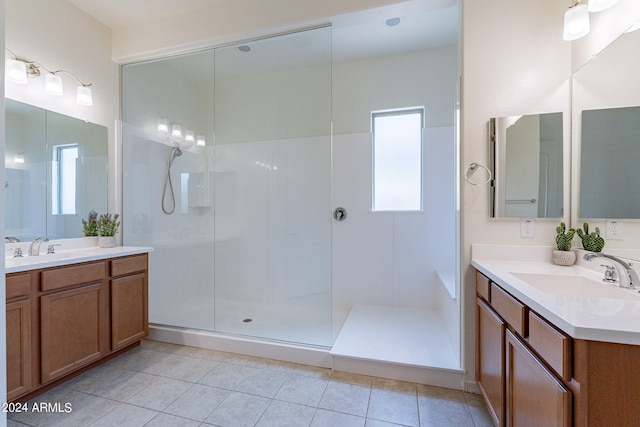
(339, 214)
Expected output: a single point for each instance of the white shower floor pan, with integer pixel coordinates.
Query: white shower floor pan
(389, 342)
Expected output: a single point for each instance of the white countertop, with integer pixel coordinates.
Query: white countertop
(613, 317)
(70, 251)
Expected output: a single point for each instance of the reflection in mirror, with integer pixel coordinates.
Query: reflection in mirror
(56, 172)
(606, 96)
(609, 172)
(528, 166)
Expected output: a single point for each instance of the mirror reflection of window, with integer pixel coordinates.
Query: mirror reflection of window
(64, 179)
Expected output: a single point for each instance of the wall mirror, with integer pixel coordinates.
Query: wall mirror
(606, 129)
(55, 172)
(527, 154)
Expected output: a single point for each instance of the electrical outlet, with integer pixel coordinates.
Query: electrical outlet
(527, 228)
(614, 229)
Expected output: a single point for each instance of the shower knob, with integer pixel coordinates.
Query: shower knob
(339, 214)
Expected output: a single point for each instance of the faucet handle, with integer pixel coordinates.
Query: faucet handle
(609, 273)
(51, 248)
(17, 252)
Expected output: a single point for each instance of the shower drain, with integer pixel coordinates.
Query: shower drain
(247, 320)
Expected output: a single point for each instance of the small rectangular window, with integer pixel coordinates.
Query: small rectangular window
(397, 159)
(64, 179)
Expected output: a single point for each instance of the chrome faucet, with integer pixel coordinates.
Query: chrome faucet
(632, 276)
(34, 249)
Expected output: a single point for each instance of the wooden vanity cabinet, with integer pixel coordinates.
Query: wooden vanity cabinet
(539, 376)
(74, 317)
(129, 312)
(490, 363)
(19, 335)
(62, 320)
(535, 397)
(518, 387)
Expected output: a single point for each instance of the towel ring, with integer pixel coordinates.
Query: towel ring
(474, 167)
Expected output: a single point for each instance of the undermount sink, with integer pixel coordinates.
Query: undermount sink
(575, 285)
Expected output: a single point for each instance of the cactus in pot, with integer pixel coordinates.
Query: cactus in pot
(591, 241)
(564, 255)
(563, 239)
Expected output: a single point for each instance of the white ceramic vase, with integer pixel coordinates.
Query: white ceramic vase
(564, 257)
(106, 241)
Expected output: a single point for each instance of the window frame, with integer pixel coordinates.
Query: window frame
(57, 193)
(388, 113)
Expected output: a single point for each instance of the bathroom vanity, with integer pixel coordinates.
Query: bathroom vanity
(555, 346)
(68, 314)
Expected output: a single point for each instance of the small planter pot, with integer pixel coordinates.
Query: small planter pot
(563, 257)
(106, 241)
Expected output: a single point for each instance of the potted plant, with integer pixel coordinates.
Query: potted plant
(90, 225)
(107, 226)
(563, 255)
(591, 241)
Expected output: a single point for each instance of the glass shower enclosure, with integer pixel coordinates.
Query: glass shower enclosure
(238, 139)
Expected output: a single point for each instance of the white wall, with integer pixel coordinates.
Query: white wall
(59, 36)
(514, 62)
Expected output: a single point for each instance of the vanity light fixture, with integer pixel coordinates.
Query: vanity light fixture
(576, 22)
(176, 130)
(188, 136)
(163, 126)
(53, 84)
(600, 5)
(18, 70)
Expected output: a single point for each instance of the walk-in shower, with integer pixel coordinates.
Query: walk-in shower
(252, 250)
(243, 239)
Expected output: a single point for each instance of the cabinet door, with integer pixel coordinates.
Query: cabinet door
(74, 329)
(18, 348)
(129, 314)
(490, 361)
(535, 396)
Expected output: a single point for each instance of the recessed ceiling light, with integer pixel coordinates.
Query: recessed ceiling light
(244, 48)
(392, 22)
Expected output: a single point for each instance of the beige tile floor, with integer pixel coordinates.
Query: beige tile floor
(159, 384)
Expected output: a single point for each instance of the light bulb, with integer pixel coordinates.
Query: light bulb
(188, 136)
(53, 84)
(83, 96)
(163, 126)
(200, 142)
(176, 130)
(576, 22)
(16, 71)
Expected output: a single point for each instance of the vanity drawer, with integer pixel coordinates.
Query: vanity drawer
(18, 285)
(57, 278)
(483, 284)
(510, 309)
(551, 344)
(128, 265)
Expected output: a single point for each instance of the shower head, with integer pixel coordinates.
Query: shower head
(176, 152)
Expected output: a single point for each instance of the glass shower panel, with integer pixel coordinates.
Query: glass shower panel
(177, 90)
(273, 188)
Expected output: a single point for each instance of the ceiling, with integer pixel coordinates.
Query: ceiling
(123, 13)
(423, 23)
